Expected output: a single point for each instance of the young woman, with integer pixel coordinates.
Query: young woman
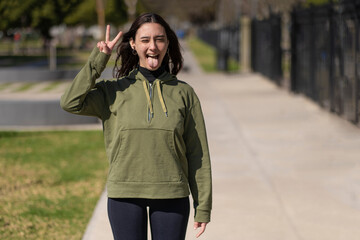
(154, 132)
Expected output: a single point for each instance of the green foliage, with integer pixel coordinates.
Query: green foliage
(39, 14)
(85, 13)
(319, 2)
(43, 14)
(12, 12)
(204, 54)
(141, 8)
(115, 12)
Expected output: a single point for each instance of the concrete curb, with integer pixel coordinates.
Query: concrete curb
(99, 226)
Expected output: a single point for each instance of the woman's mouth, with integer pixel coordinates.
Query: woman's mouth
(152, 60)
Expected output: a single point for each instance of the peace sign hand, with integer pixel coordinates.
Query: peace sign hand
(107, 46)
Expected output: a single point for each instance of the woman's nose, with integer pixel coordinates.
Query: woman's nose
(152, 45)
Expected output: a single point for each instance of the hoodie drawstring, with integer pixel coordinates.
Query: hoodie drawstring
(161, 99)
(148, 99)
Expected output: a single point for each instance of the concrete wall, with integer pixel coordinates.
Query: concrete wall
(47, 112)
(38, 113)
(34, 74)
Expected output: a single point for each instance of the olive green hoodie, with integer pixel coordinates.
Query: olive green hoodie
(155, 135)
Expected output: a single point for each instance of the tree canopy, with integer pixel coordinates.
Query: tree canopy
(43, 14)
(85, 13)
(39, 14)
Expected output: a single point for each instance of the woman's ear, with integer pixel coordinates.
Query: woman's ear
(132, 43)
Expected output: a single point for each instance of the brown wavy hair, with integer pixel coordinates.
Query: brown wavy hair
(126, 61)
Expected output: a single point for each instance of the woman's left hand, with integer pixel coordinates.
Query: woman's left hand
(107, 46)
(202, 227)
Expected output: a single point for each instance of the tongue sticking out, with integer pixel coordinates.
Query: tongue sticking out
(153, 62)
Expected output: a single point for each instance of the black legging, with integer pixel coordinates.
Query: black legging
(168, 218)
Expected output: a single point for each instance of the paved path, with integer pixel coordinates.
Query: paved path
(283, 168)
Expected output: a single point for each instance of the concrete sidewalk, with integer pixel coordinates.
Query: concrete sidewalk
(283, 168)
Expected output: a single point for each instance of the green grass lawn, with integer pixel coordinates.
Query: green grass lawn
(49, 183)
(52, 86)
(206, 56)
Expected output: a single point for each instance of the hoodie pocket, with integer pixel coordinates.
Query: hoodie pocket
(146, 155)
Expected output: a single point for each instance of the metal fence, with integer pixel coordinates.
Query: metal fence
(225, 40)
(266, 53)
(325, 56)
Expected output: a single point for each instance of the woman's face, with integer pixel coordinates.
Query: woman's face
(151, 44)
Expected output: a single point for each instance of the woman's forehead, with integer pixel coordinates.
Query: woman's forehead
(151, 29)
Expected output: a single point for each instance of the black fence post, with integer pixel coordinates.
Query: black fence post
(277, 72)
(266, 53)
(325, 56)
(331, 59)
(253, 45)
(312, 55)
(225, 40)
(356, 62)
(222, 51)
(293, 31)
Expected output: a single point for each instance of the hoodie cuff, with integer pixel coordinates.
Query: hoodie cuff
(100, 61)
(202, 216)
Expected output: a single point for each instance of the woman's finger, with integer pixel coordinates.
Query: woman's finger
(108, 45)
(117, 38)
(103, 47)
(100, 46)
(202, 228)
(107, 35)
(196, 225)
(114, 41)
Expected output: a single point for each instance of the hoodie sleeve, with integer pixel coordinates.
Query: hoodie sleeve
(198, 157)
(83, 97)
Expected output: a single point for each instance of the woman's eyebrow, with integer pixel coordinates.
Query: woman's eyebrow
(157, 36)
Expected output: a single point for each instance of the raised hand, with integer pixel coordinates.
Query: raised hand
(107, 46)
